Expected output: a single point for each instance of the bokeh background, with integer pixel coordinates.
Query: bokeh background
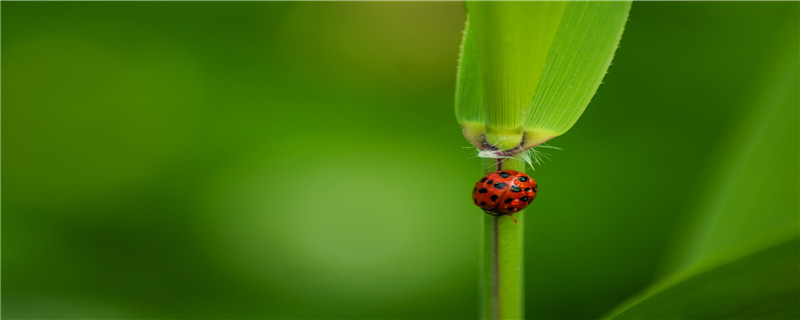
(302, 160)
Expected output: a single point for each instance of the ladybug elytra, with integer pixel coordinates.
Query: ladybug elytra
(504, 192)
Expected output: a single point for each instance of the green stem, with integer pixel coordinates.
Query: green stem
(503, 283)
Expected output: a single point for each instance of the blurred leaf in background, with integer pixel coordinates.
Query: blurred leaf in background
(299, 160)
(735, 255)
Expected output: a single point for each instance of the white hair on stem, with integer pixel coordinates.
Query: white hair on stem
(533, 156)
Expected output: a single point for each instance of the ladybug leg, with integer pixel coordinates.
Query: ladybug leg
(512, 218)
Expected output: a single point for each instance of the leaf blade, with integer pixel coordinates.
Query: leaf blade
(469, 96)
(588, 35)
(512, 42)
(733, 288)
(524, 63)
(736, 255)
(752, 185)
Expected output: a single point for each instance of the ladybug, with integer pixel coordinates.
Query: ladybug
(504, 192)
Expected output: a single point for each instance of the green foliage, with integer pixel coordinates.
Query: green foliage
(735, 256)
(529, 69)
(580, 55)
(762, 284)
(753, 171)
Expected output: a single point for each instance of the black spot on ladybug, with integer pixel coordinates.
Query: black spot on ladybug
(484, 179)
(475, 200)
(490, 182)
(523, 199)
(504, 174)
(494, 197)
(527, 189)
(509, 200)
(483, 203)
(500, 185)
(530, 200)
(535, 188)
(474, 189)
(482, 190)
(510, 208)
(523, 179)
(515, 189)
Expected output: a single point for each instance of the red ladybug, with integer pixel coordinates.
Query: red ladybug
(504, 192)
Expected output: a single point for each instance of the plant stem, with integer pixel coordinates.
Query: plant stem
(502, 281)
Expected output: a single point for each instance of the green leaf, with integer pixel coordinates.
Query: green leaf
(752, 184)
(583, 49)
(531, 67)
(762, 284)
(469, 98)
(736, 255)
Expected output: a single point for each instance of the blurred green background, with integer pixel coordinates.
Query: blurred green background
(302, 160)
